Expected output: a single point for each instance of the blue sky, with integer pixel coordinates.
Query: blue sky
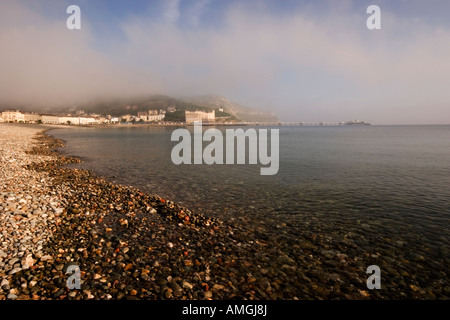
(304, 60)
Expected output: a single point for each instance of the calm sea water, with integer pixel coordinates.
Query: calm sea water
(377, 182)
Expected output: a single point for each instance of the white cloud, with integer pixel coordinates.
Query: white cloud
(334, 57)
(172, 12)
(196, 11)
(305, 67)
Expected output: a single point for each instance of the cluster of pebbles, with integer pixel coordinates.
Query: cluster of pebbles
(28, 206)
(129, 244)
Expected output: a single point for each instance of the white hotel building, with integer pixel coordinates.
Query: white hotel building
(20, 117)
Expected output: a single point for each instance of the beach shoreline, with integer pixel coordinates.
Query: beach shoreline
(101, 224)
(127, 244)
(130, 244)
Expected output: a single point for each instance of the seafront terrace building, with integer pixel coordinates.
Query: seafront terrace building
(31, 117)
(194, 116)
(148, 118)
(20, 117)
(50, 119)
(151, 115)
(69, 120)
(23, 117)
(12, 116)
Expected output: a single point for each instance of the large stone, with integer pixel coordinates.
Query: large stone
(27, 262)
(284, 259)
(187, 285)
(5, 284)
(15, 270)
(46, 258)
(175, 287)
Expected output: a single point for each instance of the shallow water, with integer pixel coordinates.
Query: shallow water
(384, 187)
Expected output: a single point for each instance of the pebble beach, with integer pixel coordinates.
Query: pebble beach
(130, 244)
(52, 218)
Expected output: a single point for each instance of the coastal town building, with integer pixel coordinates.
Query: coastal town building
(20, 117)
(151, 115)
(12, 116)
(50, 119)
(24, 117)
(195, 116)
(78, 118)
(127, 118)
(86, 120)
(66, 120)
(156, 117)
(31, 117)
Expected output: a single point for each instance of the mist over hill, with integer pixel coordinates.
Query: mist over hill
(174, 107)
(237, 110)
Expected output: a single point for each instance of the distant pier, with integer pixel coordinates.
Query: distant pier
(294, 123)
(302, 123)
(322, 123)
